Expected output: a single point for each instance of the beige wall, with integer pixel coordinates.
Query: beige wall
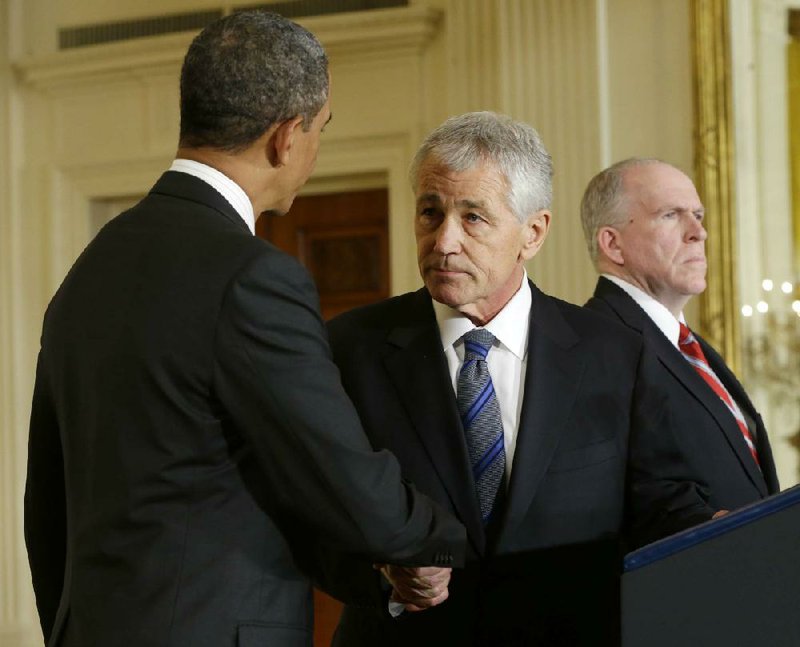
(600, 80)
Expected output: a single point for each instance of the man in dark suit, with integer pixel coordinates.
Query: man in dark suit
(643, 222)
(540, 481)
(190, 439)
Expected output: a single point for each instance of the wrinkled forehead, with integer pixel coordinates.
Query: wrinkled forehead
(657, 185)
(479, 173)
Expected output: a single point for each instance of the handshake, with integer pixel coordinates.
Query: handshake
(417, 588)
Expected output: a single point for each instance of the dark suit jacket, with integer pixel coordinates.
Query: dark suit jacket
(551, 576)
(707, 445)
(189, 433)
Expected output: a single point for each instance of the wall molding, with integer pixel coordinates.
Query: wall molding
(384, 32)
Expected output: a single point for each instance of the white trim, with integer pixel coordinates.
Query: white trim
(384, 32)
(603, 83)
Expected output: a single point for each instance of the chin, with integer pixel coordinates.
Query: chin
(443, 296)
(697, 288)
(274, 212)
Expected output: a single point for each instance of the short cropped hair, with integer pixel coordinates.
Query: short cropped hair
(513, 147)
(246, 72)
(604, 202)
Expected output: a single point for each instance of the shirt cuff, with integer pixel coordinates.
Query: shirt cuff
(396, 608)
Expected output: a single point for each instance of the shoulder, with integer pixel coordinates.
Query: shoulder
(384, 315)
(601, 306)
(589, 324)
(367, 328)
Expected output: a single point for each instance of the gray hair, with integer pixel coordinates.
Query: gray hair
(246, 72)
(515, 148)
(604, 202)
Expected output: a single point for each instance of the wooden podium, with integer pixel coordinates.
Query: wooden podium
(731, 582)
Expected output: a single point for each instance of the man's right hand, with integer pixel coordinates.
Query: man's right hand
(417, 588)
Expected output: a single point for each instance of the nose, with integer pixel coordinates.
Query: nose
(696, 231)
(448, 236)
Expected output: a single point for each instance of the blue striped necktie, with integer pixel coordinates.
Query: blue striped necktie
(480, 416)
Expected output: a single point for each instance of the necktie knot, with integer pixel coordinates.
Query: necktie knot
(477, 343)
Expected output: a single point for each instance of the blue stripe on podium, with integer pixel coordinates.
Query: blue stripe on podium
(710, 529)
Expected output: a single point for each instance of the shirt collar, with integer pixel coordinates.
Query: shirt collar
(509, 326)
(664, 320)
(229, 190)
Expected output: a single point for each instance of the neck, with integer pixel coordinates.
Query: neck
(250, 172)
(484, 311)
(674, 305)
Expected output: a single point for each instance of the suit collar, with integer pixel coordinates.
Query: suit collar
(661, 317)
(192, 189)
(504, 326)
(232, 192)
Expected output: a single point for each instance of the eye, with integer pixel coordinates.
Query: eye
(473, 218)
(670, 214)
(428, 216)
(699, 215)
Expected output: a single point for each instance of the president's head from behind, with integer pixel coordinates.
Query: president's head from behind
(483, 187)
(643, 223)
(255, 85)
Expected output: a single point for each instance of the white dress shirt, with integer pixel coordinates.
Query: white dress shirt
(226, 187)
(664, 320)
(506, 361)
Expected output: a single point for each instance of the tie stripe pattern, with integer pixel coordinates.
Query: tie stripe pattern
(480, 416)
(693, 352)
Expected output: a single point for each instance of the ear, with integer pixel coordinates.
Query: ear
(609, 245)
(534, 232)
(282, 141)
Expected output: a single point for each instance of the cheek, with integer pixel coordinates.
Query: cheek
(424, 244)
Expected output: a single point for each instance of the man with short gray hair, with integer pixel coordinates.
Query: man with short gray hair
(512, 409)
(643, 223)
(190, 441)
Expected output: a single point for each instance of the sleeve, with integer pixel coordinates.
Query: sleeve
(665, 496)
(275, 377)
(45, 504)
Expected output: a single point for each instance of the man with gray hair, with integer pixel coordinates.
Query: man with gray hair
(511, 408)
(643, 223)
(190, 440)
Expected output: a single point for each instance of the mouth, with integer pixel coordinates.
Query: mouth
(444, 272)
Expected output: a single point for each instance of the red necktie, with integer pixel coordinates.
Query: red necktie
(692, 351)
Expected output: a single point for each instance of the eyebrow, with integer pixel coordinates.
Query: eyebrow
(469, 204)
(675, 207)
(472, 204)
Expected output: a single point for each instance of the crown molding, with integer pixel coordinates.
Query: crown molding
(345, 36)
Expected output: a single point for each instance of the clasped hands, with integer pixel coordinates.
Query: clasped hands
(417, 588)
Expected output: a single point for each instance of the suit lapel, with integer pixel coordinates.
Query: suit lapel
(552, 382)
(416, 365)
(738, 394)
(765, 458)
(672, 359)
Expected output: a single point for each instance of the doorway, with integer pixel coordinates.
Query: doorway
(343, 240)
